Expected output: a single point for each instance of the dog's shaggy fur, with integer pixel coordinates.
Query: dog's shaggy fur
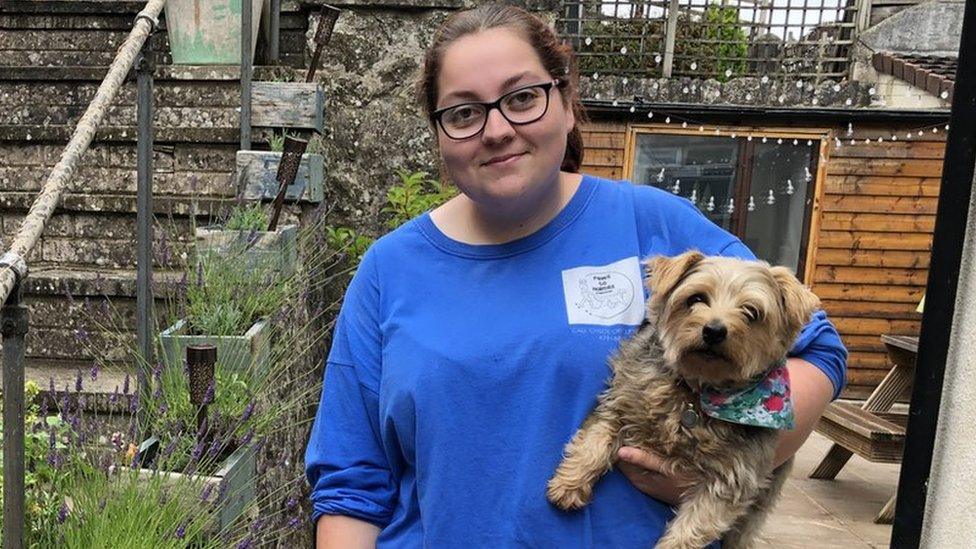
(656, 374)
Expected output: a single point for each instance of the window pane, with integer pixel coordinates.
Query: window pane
(699, 168)
(780, 178)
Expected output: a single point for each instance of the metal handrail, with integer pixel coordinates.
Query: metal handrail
(13, 267)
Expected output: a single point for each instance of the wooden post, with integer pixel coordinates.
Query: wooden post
(671, 30)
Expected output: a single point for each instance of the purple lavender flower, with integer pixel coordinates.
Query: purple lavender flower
(157, 371)
(205, 495)
(247, 437)
(248, 410)
(54, 459)
(82, 335)
(294, 523)
(63, 513)
(78, 381)
(51, 387)
(246, 543)
(180, 531)
(125, 385)
(199, 273)
(133, 404)
(214, 449)
(291, 503)
(114, 397)
(209, 396)
(257, 525)
(94, 371)
(197, 452)
(170, 448)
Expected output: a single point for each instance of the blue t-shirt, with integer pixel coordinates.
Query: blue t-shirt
(458, 373)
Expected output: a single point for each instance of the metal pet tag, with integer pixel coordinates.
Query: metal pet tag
(689, 417)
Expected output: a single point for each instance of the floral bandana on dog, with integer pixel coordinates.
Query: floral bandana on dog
(766, 403)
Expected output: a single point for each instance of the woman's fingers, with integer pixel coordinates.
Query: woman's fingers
(646, 472)
(640, 458)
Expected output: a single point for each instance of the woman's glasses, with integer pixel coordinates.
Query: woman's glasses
(522, 106)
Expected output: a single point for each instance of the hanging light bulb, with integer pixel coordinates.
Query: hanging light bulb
(752, 204)
(770, 199)
(676, 188)
(684, 124)
(711, 204)
(807, 176)
(850, 128)
(789, 186)
(694, 65)
(694, 196)
(633, 108)
(796, 142)
(764, 139)
(667, 120)
(731, 206)
(588, 41)
(779, 141)
(650, 114)
(660, 176)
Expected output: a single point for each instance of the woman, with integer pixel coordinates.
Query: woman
(474, 339)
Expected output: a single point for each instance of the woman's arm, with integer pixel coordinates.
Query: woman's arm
(811, 389)
(341, 532)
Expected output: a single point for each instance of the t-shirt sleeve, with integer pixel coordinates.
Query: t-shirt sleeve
(344, 461)
(674, 224)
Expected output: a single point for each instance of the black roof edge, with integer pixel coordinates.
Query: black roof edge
(689, 111)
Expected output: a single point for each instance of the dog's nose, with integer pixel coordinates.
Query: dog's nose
(714, 333)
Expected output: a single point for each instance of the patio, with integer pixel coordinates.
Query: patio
(830, 514)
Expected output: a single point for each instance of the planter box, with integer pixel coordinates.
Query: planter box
(249, 352)
(256, 171)
(208, 32)
(279, 247)
(236, 477)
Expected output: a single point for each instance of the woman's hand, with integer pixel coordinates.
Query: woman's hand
(645, 471)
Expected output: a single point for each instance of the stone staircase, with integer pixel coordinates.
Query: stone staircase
(81, 288)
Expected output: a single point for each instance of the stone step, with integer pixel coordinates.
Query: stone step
(99, 392)
(88, 314)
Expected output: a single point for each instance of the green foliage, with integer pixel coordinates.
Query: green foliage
(717, 42)
(416, 193)
(51, 461)
(247, 217)
(277, 141)
(225, 299)
(714, 39)
(348, 241)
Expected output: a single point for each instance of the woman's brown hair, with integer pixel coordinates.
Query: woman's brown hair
(558, 59)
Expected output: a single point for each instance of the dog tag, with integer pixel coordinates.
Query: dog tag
(689, 417)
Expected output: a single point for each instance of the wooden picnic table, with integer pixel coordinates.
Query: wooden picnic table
(871, 430)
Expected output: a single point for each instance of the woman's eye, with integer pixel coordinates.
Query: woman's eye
(697, 298)
(461, 115)
(522, 99)
(751, 313)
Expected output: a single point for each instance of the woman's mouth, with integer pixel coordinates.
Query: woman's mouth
(504, 160)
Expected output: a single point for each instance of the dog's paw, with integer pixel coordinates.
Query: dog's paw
(565, 496)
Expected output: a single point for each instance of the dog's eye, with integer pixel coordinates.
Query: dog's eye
(751, 313)
(697, 298)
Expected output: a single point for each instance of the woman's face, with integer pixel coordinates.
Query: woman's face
(505, 162)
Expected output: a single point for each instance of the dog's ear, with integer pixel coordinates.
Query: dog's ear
(799, 302)
(664, 272)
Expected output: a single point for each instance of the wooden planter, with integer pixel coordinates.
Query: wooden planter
(236, 478)
(256, 171)
(280, 247)
(208, 32)
(249, 352)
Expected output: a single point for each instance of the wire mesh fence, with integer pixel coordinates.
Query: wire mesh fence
(722, 39)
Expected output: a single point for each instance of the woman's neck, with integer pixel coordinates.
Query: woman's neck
(466, 221)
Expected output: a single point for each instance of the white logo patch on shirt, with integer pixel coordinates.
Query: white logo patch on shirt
(605, 295)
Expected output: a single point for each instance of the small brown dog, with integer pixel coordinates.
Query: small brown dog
(713, 346)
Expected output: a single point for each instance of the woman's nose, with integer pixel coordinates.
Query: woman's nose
(497, 128)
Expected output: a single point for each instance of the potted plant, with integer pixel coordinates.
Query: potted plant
(256, 172)
(243, 236)
(208, 32)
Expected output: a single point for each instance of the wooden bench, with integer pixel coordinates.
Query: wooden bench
(866, 433)
(871, 430)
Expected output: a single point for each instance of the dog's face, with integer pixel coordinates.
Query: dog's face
(721, 320)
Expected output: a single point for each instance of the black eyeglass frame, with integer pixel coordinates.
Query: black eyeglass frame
(496, 104)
